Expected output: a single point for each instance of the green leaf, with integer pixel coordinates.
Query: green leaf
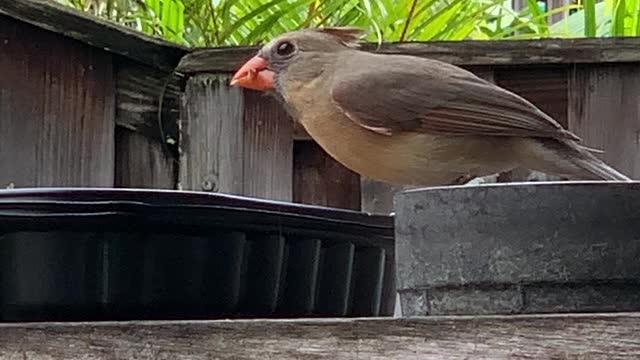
(259, 11)
(243, 22)
(538, 17)
(635, 11)
(589, 18)
(258, 32)
(619, 13)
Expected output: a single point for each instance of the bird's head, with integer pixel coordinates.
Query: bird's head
(260, 72)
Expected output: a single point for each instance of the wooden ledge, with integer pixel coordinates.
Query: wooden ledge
(95, 31)
(586, 336)
(479, 52)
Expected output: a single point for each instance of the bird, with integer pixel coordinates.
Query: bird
(408, 120)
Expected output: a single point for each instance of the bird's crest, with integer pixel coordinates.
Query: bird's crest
(349, 36)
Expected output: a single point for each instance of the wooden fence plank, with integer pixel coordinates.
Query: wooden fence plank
(142, 162)
(234, 141)
(268, 148)
(320, 180)
(570, 336)
(211, 156)
(56, 110)
(604, 111)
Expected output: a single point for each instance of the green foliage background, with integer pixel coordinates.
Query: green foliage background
(247, 22)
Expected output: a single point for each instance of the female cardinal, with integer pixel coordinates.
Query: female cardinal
(411, 121)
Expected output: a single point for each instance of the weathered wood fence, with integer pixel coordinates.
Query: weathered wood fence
(87, 103)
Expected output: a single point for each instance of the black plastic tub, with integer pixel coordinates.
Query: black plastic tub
(114, 254)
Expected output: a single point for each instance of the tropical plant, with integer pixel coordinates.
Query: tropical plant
(604, 18)
(242, 22)
(163, 18)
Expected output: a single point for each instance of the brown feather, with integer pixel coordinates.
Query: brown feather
(415, 121)
(392, 94)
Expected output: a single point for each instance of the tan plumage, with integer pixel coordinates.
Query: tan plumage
(415, 121)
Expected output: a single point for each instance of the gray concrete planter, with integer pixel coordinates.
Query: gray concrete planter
(519, 248)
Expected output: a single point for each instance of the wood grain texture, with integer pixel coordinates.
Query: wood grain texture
(589, 336)
(268, 148)
(211, 151)
(604, 111)
(320, 180)
(139, 89)
(480, 52)
(142, 162)
(234, 141)
(94, 31)
(56, 110)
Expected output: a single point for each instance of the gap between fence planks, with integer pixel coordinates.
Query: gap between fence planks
(141, 162)
(570, 336)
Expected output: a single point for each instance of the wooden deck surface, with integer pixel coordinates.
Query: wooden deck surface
(570, 336)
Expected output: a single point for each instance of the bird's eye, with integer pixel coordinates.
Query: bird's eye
(285, 48)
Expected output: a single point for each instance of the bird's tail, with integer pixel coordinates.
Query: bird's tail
(578, 162)
(599, 169)
(586, 160)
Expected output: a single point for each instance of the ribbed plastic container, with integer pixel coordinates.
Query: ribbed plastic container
(107, 254)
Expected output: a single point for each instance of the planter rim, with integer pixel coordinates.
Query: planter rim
(35, 202)
(525, 184)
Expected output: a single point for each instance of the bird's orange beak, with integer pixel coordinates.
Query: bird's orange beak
(254, 75)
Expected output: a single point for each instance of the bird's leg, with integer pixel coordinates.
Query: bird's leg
(463, 179)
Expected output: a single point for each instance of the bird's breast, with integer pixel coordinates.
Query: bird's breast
(400, 158)
(406, 158)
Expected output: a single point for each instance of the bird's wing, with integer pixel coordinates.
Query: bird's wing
(391, 94)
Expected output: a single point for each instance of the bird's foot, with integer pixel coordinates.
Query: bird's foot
(463, 179)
